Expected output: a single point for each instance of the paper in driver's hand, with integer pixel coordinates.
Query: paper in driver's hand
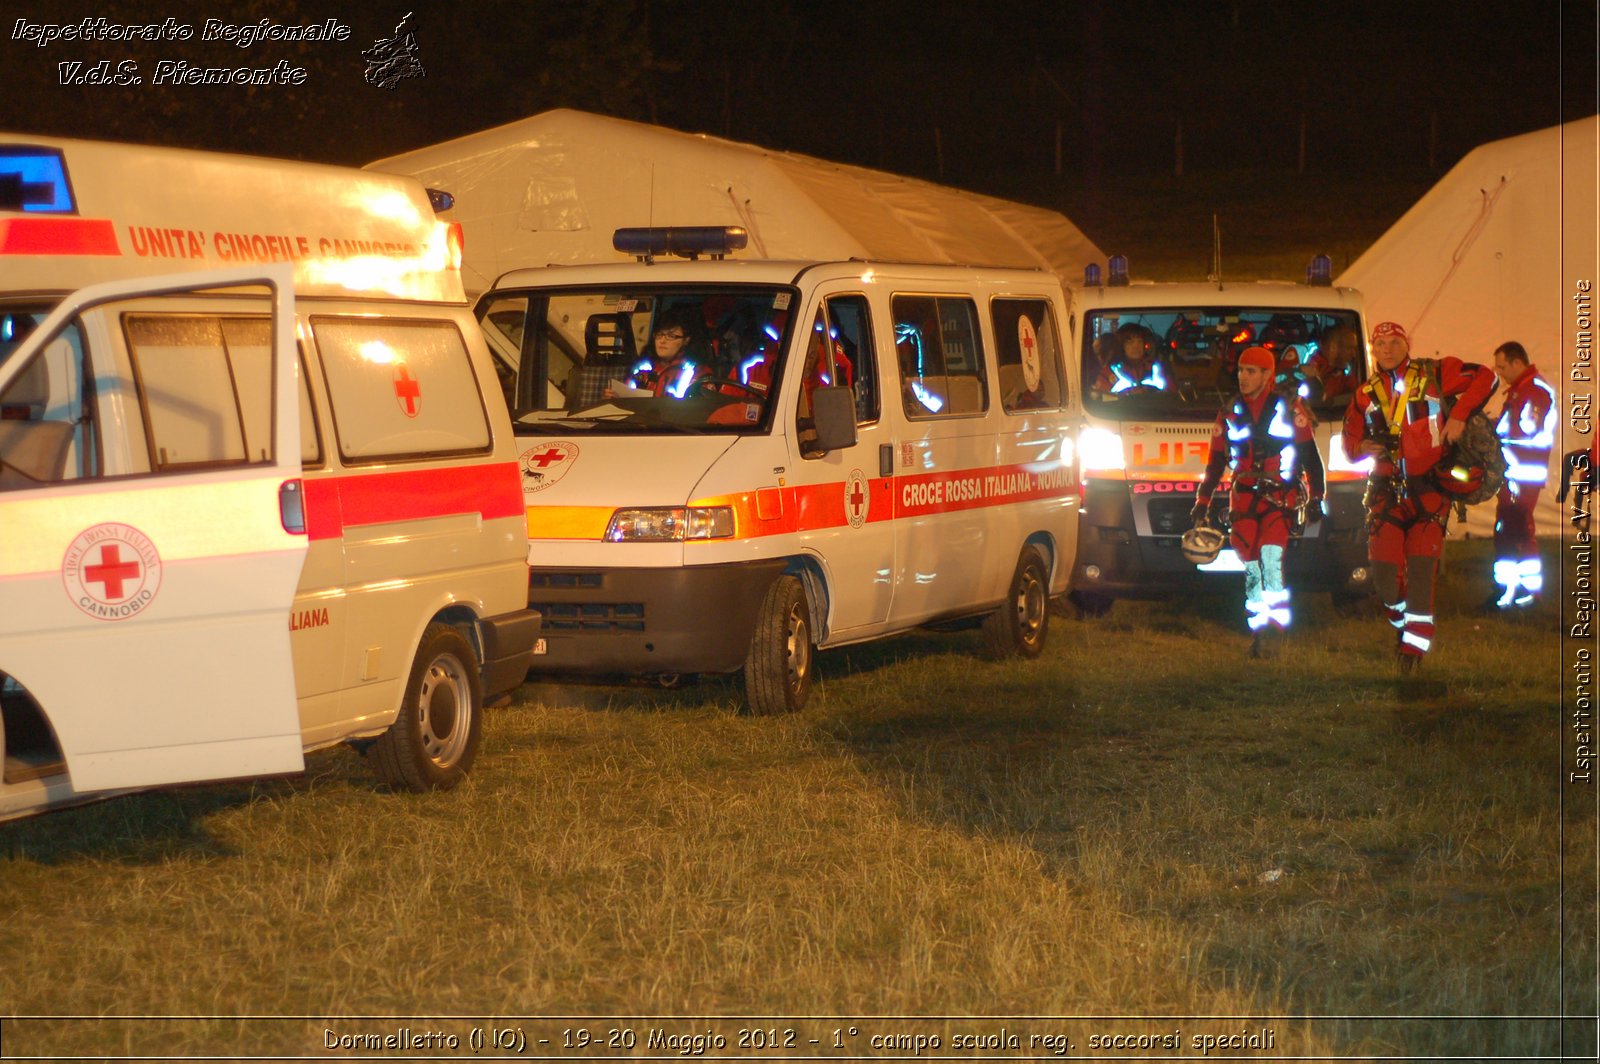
(624, 388)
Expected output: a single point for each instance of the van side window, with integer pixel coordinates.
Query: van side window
(940, 354)
(851, 326)
(48, 430)
(189, 394)
(249, 343)
(848, 360)
(1028, 353)
(400, 389)
(504, 320)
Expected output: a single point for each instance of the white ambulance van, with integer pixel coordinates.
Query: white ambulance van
(258, 490)
(1157, 363)
(729, 464)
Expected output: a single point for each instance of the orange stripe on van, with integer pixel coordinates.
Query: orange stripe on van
(569, 522)
(58, 236)
(336, 503)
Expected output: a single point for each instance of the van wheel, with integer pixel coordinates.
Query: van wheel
(1019, 628)
(433, 741)
(777, 672)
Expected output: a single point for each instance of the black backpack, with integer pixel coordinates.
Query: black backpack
(1477, 449)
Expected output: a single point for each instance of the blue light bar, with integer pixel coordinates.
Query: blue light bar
(34, 180)
(1091, 275)
(440, 200)
(1320, 271)
(689, 242)
(1118, 265)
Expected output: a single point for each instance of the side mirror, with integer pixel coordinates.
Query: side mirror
(833, 411)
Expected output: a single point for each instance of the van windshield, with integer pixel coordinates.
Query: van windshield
(639, 358)
(1181, 363)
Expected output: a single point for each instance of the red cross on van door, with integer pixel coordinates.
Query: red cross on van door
(407, 391)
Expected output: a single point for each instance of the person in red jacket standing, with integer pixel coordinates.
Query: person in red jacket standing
(1266, 438)
(1527, 431)
(1398, 419)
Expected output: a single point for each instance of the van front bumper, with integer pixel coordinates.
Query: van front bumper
(683, 619)
(508, 642)
(1125, 554)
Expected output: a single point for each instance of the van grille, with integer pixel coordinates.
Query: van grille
(546, 578)
(1170, 517)
(591, 616)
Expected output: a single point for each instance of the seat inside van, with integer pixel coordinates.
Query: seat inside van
(33, 449)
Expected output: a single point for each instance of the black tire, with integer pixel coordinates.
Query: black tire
(1091, 604)
(432, 743)
(1351, 603)
(778, 669)
(1019, 628)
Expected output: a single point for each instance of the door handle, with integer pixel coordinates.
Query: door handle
(885, 459)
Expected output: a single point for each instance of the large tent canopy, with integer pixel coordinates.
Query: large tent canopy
(552, 189)
(1504, 247)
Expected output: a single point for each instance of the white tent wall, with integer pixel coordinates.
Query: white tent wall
(552, 188)
(1498, 250)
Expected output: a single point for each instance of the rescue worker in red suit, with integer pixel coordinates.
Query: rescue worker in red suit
(1397, 419)
(1527, 431)
(1266, 438)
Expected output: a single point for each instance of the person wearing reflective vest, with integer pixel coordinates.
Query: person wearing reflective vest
(1136, 368)
(674, 363)
(1527, 431)
(1398, 419)
(1265, 438)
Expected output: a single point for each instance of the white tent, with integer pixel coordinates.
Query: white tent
(1501, 249)
(553, 188)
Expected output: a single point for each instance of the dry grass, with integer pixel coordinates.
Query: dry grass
(1083, 836)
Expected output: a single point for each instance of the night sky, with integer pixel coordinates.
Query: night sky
(975, 95)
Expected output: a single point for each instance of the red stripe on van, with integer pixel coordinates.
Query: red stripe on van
(334, 504)
(813, 507)
(58, 236)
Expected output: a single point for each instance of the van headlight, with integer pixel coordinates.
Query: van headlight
(1099, 448)
(1338, 463)
(666, 524)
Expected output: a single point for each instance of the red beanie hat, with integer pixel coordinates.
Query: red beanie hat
(1390, 328)
(1260, 358)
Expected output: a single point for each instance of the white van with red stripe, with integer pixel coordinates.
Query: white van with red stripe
(835, 451)
(258, 491)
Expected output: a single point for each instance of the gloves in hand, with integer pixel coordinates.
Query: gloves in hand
(1315, 511)
(1197, 516)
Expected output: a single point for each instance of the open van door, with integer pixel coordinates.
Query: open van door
(147, 563)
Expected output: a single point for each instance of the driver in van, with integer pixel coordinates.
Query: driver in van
(1336, 364)
(1136, 366)
(674, 363)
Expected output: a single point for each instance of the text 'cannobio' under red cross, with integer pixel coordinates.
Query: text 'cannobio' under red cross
(111, 571)
(407, 390)
(551, 454)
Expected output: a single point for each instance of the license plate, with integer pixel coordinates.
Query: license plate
(540, 647)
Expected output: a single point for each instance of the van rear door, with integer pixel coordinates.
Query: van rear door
(148, 572)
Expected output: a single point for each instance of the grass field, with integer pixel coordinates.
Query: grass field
(1143, 823)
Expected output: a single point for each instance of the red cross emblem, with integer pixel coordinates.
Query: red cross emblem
(544, 465)
(407, 391)
(856, 501)
(111, 571)
(551, 454)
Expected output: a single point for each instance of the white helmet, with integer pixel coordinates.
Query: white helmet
(1202, 543)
